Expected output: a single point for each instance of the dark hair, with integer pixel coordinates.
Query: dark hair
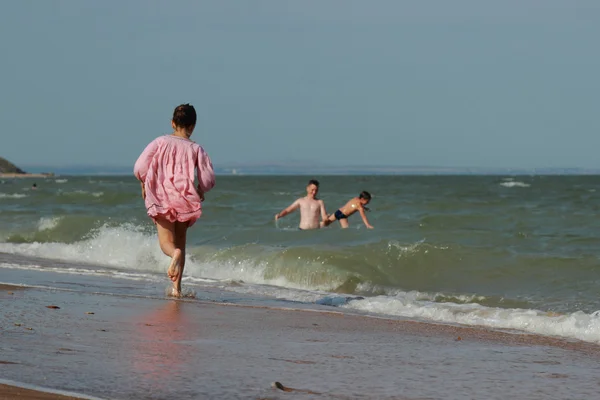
(184, 116)
(365, 195)
(313, 182)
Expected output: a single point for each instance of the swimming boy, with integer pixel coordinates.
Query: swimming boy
(355, 204)
(312, 210)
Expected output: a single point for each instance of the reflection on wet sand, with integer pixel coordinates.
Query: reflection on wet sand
(159, 353)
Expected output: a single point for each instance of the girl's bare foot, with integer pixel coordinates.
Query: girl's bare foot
(174, 271)
(177, 287)
(173, 292)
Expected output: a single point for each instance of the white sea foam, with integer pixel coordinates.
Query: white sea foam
(263, 290)
(126, 246)
(47, 223)
(254, 272)
(131, 247)
(421, 306)
(12, 195)
(94, 194)
(83, 193)
(83, 271)
(577, 325)
(515, 184)
(415, 295)
(135, 249)
(61, 180)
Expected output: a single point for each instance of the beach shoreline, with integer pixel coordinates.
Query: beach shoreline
(11, 392)
(82, 340)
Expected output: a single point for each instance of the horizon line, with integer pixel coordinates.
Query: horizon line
(315, 167)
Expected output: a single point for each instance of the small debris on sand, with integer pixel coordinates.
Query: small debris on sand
(279, 385)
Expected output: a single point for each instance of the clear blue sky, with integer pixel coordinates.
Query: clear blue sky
(446, 83)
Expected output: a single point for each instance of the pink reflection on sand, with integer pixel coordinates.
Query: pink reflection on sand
(159, 349)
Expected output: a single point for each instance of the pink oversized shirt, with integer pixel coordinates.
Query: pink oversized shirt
(167, 167)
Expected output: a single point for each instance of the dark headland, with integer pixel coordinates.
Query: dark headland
(10, 170)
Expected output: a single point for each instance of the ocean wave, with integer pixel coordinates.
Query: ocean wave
(309, 275)
(379, 267)
(515, 184)
(124, 246)
(577, 325)
(88, 270)
(56, 229)
(48, 223)
(424, 306)
(420, 306)
(81, 193)
(339, 269)
(12, 195)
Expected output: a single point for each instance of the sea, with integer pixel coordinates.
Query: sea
(503, 252)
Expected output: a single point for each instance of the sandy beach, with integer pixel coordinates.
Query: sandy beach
(10, 392)
(132, 347)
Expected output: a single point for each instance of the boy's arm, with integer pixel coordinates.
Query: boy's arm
(361, 210)
(323, 212)
(293, 207)
(324, 217)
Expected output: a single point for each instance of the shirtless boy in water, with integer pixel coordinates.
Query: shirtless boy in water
(354, 205)
(312, 210)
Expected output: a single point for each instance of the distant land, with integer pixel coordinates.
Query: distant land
(315, 169)
(10, 170)
(6, 167)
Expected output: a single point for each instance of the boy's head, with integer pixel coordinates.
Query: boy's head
(364, 197)
(184, 117)
(312, 188)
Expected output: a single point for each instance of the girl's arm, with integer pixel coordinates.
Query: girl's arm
(140, 169)
(206, 173)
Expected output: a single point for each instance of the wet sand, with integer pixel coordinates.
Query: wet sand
(130, 347)
(8, 392)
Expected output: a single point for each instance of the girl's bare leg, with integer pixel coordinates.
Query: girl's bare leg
(167, 241)
(180, 242)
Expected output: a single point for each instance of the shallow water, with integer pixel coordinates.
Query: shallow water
(506, 252)
(136, 345)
